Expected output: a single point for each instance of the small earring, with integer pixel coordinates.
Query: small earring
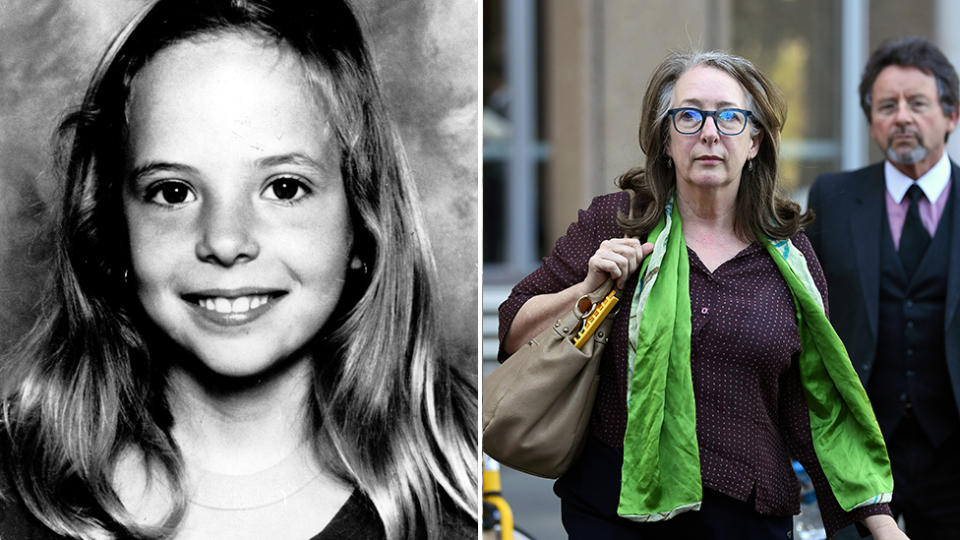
(126, 276)
(669, 163)
(356, 263)
(750, 165)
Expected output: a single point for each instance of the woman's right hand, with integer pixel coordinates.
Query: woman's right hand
(617, 258)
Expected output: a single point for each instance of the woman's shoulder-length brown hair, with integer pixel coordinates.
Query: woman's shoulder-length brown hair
(761, 208)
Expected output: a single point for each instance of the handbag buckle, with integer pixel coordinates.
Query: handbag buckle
(584, 307)
(594, 317)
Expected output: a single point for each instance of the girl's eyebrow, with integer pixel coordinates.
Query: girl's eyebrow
(166, 166)
(294, 158)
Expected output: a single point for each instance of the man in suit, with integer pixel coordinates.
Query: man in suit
(888, 237)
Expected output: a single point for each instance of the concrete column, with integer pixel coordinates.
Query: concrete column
(519, 21)
(598, 59)
(570, 78)
(853, 130)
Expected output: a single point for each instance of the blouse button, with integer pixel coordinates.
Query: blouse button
(704, 310)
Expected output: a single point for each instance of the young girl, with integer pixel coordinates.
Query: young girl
(240, 338)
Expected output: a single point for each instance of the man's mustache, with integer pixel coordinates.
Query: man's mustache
(905, 131)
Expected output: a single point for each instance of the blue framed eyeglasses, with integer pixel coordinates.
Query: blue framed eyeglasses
(690, 120)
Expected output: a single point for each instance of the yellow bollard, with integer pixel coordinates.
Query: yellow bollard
(491, 494)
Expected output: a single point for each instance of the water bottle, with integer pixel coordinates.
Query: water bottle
(808, 525)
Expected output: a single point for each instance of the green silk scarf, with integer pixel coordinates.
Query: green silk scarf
(661, 460)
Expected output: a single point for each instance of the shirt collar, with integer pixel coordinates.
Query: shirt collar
(932, 183)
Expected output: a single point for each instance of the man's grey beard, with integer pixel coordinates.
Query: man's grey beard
(916, 155)
(907, 158)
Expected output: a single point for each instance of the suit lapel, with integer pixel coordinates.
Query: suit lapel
(865, 223)
(953, 275)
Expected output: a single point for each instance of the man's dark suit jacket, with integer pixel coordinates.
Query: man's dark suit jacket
(846, 237)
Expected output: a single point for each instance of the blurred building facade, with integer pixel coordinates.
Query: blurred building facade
(563, 81)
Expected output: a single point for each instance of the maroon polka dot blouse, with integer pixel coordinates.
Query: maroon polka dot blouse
(751, 415)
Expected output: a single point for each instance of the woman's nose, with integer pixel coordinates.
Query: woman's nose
(709, 132)
(226, 237)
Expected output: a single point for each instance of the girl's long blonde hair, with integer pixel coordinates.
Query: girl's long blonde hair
(389, 413)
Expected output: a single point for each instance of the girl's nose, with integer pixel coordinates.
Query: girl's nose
(226, 237)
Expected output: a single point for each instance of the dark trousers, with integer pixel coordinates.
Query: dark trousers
(590, 490)
(926, 484)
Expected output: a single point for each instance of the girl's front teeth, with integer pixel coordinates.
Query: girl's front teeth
(238, 305)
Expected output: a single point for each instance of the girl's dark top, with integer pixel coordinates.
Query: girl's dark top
(356, 520)
(751, 414)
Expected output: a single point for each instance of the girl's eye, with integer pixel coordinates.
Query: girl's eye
(286, 188)
(170, 193)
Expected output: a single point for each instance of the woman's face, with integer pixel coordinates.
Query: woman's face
(239, 228)
(709, 159)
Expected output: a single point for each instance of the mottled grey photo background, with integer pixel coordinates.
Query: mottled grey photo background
(427, 56)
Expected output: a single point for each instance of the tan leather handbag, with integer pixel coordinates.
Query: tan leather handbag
(537, 405)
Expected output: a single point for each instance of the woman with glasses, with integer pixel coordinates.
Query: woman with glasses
(724, 366)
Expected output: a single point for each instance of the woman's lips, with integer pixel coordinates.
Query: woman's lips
(232, 308)
(710, 160)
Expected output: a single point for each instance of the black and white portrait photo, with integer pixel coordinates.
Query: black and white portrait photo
(238, 269)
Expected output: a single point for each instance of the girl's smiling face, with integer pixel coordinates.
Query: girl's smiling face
(240, 232)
